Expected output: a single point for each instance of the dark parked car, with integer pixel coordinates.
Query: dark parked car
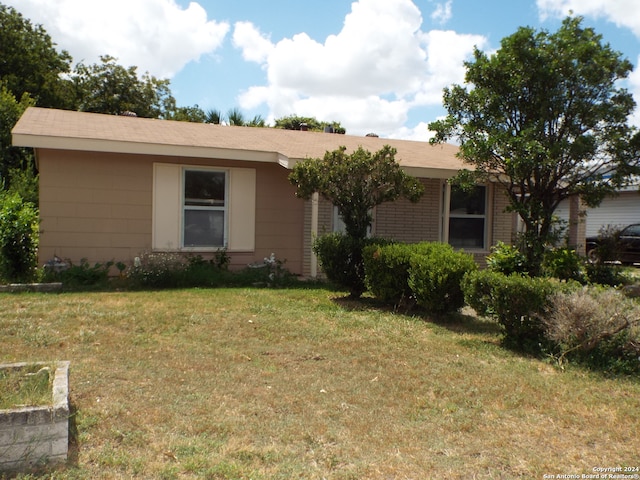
(625, 247)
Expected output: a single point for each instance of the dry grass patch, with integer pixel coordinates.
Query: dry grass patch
(26, 386)
(268, 384)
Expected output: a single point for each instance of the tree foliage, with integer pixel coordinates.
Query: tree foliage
(545, 117)
(113, 89)
(355, 183)
(296, 122)
(12, 159)
(187, 114)
(30, 63)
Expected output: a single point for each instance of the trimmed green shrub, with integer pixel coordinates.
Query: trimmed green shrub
(340, 257)
(435, 276)
(518, 303)
(506, 259)
(477, 287)
(18, 238)
(387, 270)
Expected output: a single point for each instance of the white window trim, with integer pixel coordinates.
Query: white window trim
(168, 202)
(447, 216)
(224, 209)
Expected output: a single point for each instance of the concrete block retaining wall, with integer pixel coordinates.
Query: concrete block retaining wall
(32, 436)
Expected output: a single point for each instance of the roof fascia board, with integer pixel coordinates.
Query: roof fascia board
(110, 146)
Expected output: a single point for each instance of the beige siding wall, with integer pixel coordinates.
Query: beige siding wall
(93, 206)
(98, 206)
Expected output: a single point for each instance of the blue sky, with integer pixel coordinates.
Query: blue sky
(373, 65)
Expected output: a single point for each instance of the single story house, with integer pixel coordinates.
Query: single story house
(115, 187)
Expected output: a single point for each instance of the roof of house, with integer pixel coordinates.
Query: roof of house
(71, 130)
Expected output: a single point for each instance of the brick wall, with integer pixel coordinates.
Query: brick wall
(412, 222)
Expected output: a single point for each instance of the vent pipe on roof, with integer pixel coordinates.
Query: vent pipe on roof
(304, 127)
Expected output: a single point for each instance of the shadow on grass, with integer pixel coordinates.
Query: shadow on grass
(465, 321)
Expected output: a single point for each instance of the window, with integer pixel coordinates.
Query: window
(467, 217)
(338, 222)
(204, 208)
(199, 208)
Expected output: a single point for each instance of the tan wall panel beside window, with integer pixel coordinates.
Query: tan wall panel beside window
(167, 209)
(242, 209)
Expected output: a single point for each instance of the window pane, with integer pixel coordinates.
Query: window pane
(203, 228)
(466, 232)
(467, 202)
(204, 188)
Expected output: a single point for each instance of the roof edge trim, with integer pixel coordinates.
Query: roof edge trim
(110, 146)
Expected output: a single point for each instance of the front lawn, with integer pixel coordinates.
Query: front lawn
(302, 383)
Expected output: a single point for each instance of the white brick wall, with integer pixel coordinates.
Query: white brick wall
(30, 436)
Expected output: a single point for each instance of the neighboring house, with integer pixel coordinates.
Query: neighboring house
(618, 211)
(115, 187)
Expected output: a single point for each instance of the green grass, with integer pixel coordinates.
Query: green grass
(27, 386)
(280, 384)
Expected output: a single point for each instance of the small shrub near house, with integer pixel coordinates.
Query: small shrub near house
(160, 270)
(426, 273)
(340, 257)
(387, 270)
(80, 276)
(18, 238)
(170, 270)
(506, 259)
(564, 264)
(517, 302)
(435, 277)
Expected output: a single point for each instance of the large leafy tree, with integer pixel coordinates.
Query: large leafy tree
(110, 88)
(31, 72)
(545, 117)
(16, 165)
(30, 63)
(355, 183)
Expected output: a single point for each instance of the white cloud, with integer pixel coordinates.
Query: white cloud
(157, 36)
(255, 47)
(367, 76)
(442, 14)
(419, 133)
(624, 13)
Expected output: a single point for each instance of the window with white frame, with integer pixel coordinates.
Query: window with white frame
(199, 208)
(467, 217)
(204, 208)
